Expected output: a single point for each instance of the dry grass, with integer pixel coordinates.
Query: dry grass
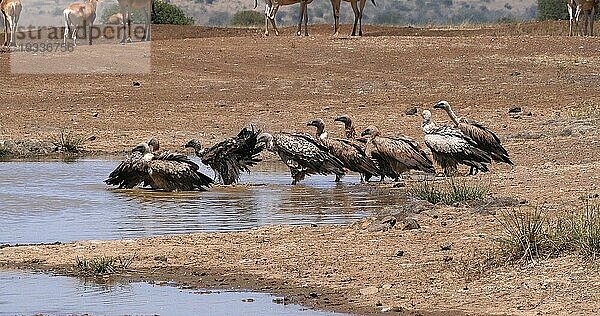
(101, 266)
(449, 192)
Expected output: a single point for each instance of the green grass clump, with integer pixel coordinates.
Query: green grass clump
(4, 151)
(103, 265)
(529, 237)
(448, 193)
(68, 142)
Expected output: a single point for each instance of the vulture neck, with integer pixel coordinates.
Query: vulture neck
(350, 132)
(321, 131)
(453, 116)
(428, 126)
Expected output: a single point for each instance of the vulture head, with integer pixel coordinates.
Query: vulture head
(426, 118)
(267, 139)
(444, 105)
(142, 148)
(195, 144)
(154, 145)
(371, 131)
(344, 119)
(316, 123)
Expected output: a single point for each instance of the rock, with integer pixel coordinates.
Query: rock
(410, 224)
(136, 84)
(399, 253)
(95, 114)
(313, 295)
(394, 309)
(446, 247)
(411, 111)
(248, 300)
(384, 224)
(515, 109)
(386, 286)
(281, 300)
(371, 290)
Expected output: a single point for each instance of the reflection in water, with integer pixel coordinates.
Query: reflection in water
(24, 293)
(54, 201)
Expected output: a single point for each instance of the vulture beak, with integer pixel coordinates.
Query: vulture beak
(365, 133)
(439, 105)
(338, 119)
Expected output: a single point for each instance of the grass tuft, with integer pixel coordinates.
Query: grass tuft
(103, 265)
(529, 237)
(4, 151)
(448, 193)
(68, 142)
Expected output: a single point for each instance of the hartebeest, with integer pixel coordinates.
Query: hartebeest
(146, 8)
(11, 9)
(358, 13)
(271, 7)
(80, 14)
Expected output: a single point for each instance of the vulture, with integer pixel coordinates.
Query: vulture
(350, 131)
(396, 155)
(351, 155)
(486, 139)
(232, 156)
(450, 147)
(303, 155)
(165, 171)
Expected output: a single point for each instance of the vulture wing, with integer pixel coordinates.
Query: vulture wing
(486, 140)
(176, 172)
(352, 156)
(305, 151)
(403, 154)
(132, 172)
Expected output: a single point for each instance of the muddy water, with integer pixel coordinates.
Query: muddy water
(56, 201)
(27, 293)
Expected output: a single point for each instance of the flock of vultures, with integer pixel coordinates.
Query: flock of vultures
(465, 142)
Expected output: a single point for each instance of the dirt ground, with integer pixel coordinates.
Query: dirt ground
(208, 83)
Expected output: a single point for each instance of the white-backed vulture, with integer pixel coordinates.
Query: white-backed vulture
(165, 171)
(485, 138)
(303, 155)
(348, 128)
(450, 147)
(232, 156)
(396, 155)
(351, 155)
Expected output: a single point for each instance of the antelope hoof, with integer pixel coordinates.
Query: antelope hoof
(298, 33)
(129, 40)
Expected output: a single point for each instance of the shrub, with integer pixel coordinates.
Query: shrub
(449, 193)
(103, 265)
(164, 13)
(552, 10)
(68, 142)
(247, 18)
(528, 237)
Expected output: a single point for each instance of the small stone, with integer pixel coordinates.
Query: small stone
(281, 300)
(411, 111)
(378, 303)
(369, 290)
(313, 295)
(95, 114)
(399, 253)
(386, 286)
(515, 109)
(523, 201)
(248, 300)
(399, 185)
(410, 224)
(446, 247)
(313, 225)
(136, 84)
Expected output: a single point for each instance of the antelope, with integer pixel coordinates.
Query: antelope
(271, 7)
(575, 8)
(358, 13)
(588, 9)
(79, 14)
(127, 6)
(11, 10)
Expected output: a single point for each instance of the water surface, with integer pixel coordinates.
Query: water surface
(56, 201)
(28, 293)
